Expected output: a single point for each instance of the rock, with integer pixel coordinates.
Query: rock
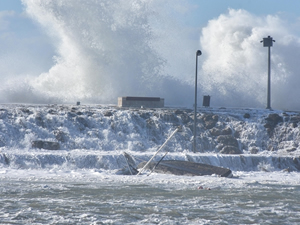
(253, 150)
(179, 112)
(169, 117)
(215, 131)
(288, 170)
(210, 120)
(83, 121)
(228, 140)
(272, 120)
(71, 114)
(230, 150)
(291, 149)
(49, 145)
(2, 143)
(39, 120)
(226, 131)
(145, 115)
(150, 123)
(60, 135)
(295, 119)
(228, 144)
(107, 113)
(246, 115)
(185, 118)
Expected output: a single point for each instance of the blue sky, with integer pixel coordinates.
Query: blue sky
(208, 9)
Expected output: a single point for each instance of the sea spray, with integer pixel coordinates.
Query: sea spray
(235, 62)
(108, 49)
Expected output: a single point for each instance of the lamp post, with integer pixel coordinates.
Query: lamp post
(198, 53)
(268, 42)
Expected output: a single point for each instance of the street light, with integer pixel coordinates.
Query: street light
(268, 42)
(198, 53)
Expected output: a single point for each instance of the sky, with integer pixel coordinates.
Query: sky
(39, 47)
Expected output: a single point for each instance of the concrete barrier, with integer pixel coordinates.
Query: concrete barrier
(147, 102)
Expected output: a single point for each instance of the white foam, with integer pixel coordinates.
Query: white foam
(108, 49)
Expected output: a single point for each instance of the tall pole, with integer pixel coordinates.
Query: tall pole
(269, 79)
(268, 42)
(198, 53)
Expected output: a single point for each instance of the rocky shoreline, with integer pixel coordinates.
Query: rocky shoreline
(220, 130)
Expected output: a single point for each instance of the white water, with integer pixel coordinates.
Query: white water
(82, 182)
(108, 49)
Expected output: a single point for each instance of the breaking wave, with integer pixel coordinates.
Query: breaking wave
(106, 49)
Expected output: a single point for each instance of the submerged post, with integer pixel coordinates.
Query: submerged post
(198, 53)
(268, 42)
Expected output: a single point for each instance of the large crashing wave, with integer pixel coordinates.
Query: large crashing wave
(106, 49)
(235, 65)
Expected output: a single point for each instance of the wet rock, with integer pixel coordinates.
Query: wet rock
(79, 113)
(82, 121)
(26, 110)
(60, 135)
(185, 118)
(150, 123)
(6, 159)
(169, 117)
(253, 150)
(218, 131)
(272, 120)
(2, 143)
(71, 114)
(291, 149)
(226, 131)
(3, 113)
(49, 145)
(209, 120)
(145, 115)
(39, 121)
(228, 140)
(228, 144)
(179, 112)
(230, 150)
(294, 120)
(108, 113)
(52, 111)
(246, 115)
(215, 131)
(288, 170)
(296, 162)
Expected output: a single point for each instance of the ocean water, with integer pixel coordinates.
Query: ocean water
(107, 49)
(94, 197)
(82, 181)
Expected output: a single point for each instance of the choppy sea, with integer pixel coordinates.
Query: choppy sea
(93, 197)
(80, 183)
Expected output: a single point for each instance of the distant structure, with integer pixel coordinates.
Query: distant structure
(268, 42)
(141, 102)
(206, 101)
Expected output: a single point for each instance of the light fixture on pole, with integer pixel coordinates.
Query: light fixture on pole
(268, 42)
(198, 53)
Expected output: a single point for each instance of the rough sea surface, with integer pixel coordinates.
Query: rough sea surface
(89, 197)
(81, 182)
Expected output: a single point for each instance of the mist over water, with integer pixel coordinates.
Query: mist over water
(106, 49)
